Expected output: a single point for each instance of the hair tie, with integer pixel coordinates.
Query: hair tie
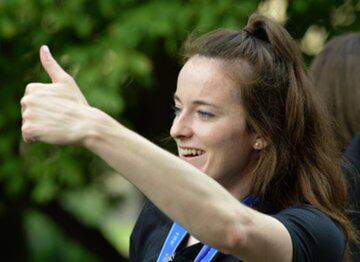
(259, 33)
(248, 31)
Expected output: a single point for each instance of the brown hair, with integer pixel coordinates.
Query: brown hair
(300, 165)
(336, 74)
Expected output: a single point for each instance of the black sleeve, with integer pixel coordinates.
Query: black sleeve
(149, 233)
(314, 235)
(137, 236)
(352, 172)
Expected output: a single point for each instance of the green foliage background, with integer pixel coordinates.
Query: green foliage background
(124, 54)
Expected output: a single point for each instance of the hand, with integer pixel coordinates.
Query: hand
(54, 113)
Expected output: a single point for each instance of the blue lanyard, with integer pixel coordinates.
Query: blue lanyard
(177, 234)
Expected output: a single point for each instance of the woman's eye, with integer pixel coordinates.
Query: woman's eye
(176, 110)
(205, 115)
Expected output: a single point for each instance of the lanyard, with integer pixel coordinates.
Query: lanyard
(177, 234)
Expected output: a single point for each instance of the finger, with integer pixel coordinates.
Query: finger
(28, 133)
(36, 88)
(54, 70)
(33, 87)
(32, 114)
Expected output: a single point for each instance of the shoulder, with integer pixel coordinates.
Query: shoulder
(150, 218)
(352, 155)
(352, 171)
(352, 152)
(315, 236)
(354, 146)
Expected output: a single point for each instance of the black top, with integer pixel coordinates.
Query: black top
(315, 236)
(352, 154)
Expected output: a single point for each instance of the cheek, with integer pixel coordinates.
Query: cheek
(232, 148)
(233, 138)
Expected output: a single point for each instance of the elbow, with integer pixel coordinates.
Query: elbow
(235, 240)
(236, 236)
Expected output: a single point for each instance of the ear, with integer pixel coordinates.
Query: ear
(260, 142)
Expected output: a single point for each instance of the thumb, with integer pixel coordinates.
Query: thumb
(54, 70)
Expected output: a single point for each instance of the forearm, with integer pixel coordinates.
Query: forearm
(184, 193)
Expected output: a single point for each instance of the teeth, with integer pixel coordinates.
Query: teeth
(190, 151)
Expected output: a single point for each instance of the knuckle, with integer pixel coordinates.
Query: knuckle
(29, 88)
(29, 133)
(26, 115)
(23, 128)
(24, 101)
(26, 138)
(26, 129)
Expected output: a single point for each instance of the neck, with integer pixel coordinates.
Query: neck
(238, 186)
(241, 188)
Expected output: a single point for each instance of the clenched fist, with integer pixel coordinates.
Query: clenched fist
(57, 112)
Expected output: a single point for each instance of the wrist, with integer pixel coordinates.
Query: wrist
(97, 127)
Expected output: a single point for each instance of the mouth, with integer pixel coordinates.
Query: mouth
(190, 152)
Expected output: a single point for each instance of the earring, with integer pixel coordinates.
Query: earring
(257, 145)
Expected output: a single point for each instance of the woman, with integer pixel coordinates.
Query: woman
(245, 117)
(336, 74)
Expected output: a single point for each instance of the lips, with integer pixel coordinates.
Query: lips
(194, 156)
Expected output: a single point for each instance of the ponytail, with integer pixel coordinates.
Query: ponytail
(267, 30)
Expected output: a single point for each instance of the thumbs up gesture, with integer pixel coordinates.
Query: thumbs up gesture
(58, 75)
(54, 112)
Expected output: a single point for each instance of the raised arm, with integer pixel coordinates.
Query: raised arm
(58, 113)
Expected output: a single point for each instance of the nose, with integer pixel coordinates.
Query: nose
(181, 127)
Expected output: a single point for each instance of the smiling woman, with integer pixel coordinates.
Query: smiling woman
(257, 177)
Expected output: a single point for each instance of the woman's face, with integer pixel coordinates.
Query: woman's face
(209, 125)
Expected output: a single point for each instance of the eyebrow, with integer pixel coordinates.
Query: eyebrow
(197, 102)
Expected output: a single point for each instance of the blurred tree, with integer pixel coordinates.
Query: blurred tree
(124, 55)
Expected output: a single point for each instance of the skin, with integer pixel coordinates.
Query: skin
(58, 113)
